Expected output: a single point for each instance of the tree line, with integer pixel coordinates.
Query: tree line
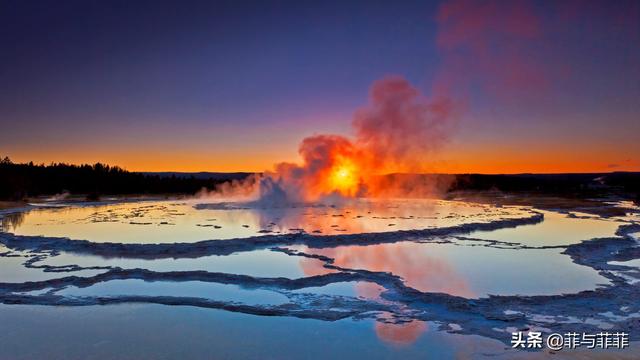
(19, 181)
(626, 184)
(22, 180)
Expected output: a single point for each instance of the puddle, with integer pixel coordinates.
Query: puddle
(364, 290)
(556, 229)
(197, 289)
(376, 267)
(123, 332)
(468, 271)
(171, 222)
(12, 270)
(263, 263)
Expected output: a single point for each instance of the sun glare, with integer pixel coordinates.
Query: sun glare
(344, 178)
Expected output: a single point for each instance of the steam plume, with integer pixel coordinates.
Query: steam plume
(393, 134)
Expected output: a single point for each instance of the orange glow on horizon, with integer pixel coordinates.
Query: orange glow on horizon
(487, 161)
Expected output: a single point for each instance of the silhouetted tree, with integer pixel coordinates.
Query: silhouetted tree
(18, 181)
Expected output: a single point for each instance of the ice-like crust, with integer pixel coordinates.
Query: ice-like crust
(475, 316)
(204, 276)
(323, 307)
(579, 312)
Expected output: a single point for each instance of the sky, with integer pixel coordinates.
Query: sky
(539, 86)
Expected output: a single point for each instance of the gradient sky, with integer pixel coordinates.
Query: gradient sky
(235, 85)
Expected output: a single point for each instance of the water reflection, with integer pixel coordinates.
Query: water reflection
(11, 221)
(122, 331)
(556, 229)
(166, 221)
(262, 263)
(195, 289)
(454, 269)
(467, 271)
(400, 334)
(418, 268)
(423, 272)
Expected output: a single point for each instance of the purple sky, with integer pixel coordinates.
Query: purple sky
(227, 85)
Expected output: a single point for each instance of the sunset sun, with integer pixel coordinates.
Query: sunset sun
(344, 179)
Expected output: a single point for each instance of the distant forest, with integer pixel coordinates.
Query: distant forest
(626, 184)
(19, 181)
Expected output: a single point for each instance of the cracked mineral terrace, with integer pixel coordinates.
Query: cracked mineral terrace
(462, 267)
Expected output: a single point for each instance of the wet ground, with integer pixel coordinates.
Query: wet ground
(191, 221)
(403, 278)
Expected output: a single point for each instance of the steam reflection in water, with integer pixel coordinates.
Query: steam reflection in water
(467, 271)
(170, 221)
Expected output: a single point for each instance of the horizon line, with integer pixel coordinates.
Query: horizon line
(264, 171)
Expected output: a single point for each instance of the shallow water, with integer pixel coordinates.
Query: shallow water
(556, 229)
(264, 263)
(363, 290)
(633, 263)
(13, 271)
(379, 297)
(124, 332)
(170, 221)
(195, 289)
(462, 270)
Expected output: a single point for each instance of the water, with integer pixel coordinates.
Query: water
(633, 263)
(160, 332)
(331, 299)
(194, 289)
(557, 229)
(264, 263)
(12, 269)
(170, 221)
(468, 271)
(365, 290)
